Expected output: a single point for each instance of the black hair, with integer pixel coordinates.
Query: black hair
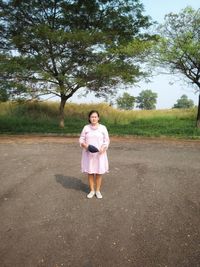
(91, 112)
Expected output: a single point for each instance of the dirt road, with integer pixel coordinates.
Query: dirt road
(149, 215)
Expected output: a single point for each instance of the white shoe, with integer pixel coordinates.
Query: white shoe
(98, 194)
(91, 194)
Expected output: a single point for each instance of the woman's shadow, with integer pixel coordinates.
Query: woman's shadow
(71, 183)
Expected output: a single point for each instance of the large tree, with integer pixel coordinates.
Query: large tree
(184, 102)
(59, 46)
(179, 47)
(126, 101)
(146, 100)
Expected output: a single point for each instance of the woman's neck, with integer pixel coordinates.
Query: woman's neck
(95, 124)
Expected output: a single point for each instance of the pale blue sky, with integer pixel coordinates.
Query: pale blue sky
(167, 94)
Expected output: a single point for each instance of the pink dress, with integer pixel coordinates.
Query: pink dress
(98, 137)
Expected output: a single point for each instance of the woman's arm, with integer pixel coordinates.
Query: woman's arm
(106, 140)
(82, 138)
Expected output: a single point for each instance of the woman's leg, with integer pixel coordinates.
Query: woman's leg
(98, 182)
(91, 181)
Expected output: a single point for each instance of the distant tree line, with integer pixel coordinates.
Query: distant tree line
(184, 102)
(147, 100)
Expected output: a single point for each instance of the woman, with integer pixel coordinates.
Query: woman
(94, 163)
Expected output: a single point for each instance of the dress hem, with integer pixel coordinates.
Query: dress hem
(95, 172)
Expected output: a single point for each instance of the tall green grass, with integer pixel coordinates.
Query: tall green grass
(43, 117)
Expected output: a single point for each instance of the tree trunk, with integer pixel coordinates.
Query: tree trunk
(61, 109)
(198, 113)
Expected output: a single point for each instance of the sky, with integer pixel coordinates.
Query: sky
(167, 94)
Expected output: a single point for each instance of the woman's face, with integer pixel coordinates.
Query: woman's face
(94, 119)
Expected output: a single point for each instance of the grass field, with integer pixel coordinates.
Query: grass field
(43, 118)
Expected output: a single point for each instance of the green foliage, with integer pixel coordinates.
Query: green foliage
(179, 47)
(61, 46)
(3, 95)
(158, 127)
(126, 101)
(147, 100)
(184, 102)
(42, 118)
(12, 69)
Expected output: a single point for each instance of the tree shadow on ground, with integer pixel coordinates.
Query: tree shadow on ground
(71, 183)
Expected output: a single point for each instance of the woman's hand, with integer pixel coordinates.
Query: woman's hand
(84, 145)
(102, 150)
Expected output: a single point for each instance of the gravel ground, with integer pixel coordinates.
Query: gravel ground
(149, 215)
